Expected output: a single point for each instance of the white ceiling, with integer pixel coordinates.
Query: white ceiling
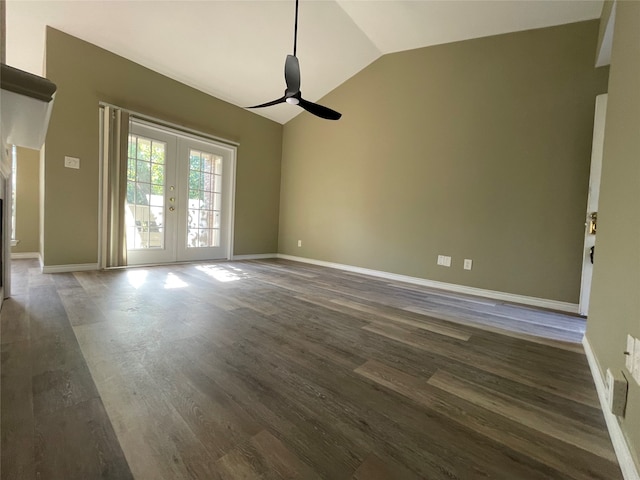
(235, 50)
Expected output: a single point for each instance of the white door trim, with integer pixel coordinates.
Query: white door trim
(179, 131)
(157, 122)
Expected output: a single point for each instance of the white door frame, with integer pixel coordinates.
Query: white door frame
(180, 131)
(592, 201)
(6, 195)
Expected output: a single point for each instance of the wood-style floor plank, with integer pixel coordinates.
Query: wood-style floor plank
(566, 458)
(15, 320)
(582, 393)
(575, 433)
(263, 456)
(78, 443)
(374, 468)
(53, 421)
(276, 369)
(16, 414)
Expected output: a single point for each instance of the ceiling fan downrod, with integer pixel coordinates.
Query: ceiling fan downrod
(292, 94)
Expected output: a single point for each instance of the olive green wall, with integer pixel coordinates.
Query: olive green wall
(86, 75)
(614, 309)
(27, 201)
(477, 149)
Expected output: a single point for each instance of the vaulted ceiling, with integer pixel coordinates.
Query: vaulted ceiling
(235, 50)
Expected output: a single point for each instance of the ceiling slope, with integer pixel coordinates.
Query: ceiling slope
(235, 50)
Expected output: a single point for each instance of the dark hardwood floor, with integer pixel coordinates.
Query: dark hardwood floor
(275, 369)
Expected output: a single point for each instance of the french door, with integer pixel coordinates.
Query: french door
(179, 197)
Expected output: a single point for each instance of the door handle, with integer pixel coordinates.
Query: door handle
(593, 220)
(171, 209)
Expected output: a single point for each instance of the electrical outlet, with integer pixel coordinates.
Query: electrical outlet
(299, 243)
(629, 353)
(636, 361)
(468, 263)
(72, 162)
(444, 260)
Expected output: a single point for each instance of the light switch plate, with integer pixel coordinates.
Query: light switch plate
(628, 361)
(468, 263)
(72, 162)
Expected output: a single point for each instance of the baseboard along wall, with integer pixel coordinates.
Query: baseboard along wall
(623, 451)
(256, 256)
(21, 255)
(79, 267)
(480, 292)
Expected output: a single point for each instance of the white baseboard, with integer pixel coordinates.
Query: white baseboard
(78, 267)
(623, 452)
(256, 256)
(452, 287)
(21, 255)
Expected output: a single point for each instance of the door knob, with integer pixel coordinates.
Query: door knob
(171, 209)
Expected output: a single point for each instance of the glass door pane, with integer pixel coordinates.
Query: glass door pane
(205, 190)
(146, 184)
(205, 180)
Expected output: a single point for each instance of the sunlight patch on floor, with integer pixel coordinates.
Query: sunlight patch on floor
(137, 278)
(222, 274)
(173, 281)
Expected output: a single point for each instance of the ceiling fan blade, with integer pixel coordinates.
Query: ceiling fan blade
(268, 104)
(319, 110)
(292, 75)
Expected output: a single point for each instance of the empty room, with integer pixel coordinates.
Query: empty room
(320, 239)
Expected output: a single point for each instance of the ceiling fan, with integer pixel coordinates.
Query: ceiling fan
(292, 94)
